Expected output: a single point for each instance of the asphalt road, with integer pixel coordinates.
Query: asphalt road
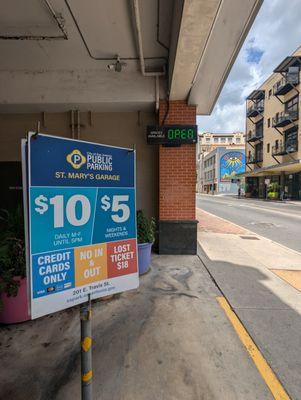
(277, 221)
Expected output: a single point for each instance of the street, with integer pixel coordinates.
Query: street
(280, 222)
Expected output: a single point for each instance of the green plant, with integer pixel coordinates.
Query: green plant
(247, 188)
(12, 250)
(273, 187)
(273, 191)
(145, 228)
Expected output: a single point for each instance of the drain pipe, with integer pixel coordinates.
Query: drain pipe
(78, 124)
(72, 124)
(138, 35)
(157, 92)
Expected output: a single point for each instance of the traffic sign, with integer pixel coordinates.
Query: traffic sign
(82, 222)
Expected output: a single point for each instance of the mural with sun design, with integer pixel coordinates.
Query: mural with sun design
(231, 164)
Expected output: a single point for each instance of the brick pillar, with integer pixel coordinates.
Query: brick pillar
(177, 185)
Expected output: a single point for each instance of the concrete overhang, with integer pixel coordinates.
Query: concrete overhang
(55, 53)
(210, 36)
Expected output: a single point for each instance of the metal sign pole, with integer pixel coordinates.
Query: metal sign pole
(86, 350)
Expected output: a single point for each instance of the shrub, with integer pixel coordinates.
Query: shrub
(12, 250)
(145, 228)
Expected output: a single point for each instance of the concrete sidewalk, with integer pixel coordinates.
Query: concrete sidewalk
(262, 281)
(169, 340)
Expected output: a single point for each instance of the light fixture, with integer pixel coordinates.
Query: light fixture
(117, 66)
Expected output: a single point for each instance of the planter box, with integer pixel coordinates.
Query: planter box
(144, 257)
(15, 309)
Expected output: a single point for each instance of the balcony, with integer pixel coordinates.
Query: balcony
(286, 84)
(255, 109)
(285, 148)
(285, 118)
(255, 136)
(255, 159)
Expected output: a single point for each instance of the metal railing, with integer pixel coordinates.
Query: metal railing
(285, 117)
(286, 83)
(253, 136)
(255, 109)
(285, 148)
(255, 158)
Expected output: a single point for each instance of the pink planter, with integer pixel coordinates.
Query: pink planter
(15, 309)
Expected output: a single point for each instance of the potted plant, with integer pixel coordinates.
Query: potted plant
(248, 192)
(13, 285)
(146, 236)
(273, 191)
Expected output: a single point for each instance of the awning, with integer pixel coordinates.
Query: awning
(286, 63)
(256, 95)
(289, 167)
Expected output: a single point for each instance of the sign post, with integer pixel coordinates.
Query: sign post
(82, 228)
(86, 350)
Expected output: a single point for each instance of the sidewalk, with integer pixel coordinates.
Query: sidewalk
(169, 340)
(262, 281)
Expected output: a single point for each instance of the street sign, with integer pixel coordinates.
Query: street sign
(172, 135)
(82, 222)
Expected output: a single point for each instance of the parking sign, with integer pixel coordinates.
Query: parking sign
(82, 222)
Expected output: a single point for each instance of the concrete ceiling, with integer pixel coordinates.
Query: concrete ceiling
(68, 66)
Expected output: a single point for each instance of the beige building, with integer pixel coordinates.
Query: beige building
(273, 141)
(208, 143)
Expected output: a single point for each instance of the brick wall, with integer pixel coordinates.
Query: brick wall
(177, 167)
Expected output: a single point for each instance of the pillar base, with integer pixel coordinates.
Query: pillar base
(178, 237)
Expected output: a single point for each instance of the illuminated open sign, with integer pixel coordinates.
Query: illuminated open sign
(172, 135)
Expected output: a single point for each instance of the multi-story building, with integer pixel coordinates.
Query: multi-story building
(219, 170)
(209, 158)
(209, 141)
(272, 124)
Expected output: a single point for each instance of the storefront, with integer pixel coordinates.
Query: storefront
(288, 184)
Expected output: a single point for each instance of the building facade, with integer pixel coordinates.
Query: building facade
(273, 140)
(220, 168)
(208, 143)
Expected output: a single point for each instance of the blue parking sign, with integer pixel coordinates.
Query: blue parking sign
(82, 221)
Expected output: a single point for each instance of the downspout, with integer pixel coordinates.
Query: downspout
(72, 124)
(157, 92)
(78, 124)
(138, 35)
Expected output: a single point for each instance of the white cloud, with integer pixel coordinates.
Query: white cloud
(277, 33)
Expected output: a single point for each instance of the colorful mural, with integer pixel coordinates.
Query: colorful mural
(231, 164)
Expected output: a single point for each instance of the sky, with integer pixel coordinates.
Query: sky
(275, 34)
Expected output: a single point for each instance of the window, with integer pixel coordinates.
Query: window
(270, 93)
(292, 105)
(208, 139)
(259, 129)
(268, 147)
(238, 140)
(276, 144)
(223, 140)
(258, 152)
(216, 140)
(291, 139)
(269, 122)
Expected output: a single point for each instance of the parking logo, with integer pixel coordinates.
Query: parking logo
(76, 159)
